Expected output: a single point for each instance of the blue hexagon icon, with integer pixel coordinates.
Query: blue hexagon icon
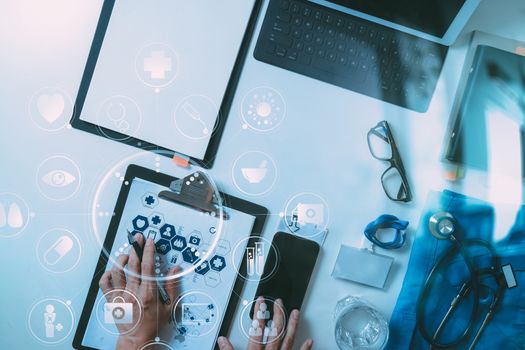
(190, 255)
(167, 231)
(203, 268)
(149, 200)
(178, 243)
(140, 223)
(163, 246)
(218, 263)
(156, 219)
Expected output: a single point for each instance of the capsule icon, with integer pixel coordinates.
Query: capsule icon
(58, 250)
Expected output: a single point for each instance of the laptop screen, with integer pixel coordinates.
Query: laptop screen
(428, 16)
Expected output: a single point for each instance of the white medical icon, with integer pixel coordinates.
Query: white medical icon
(194, 113)
(255, 330)
(58, 250)
(195, 116)
(312, 213)
(255, 259)
(259, 258)
(13, 218)
(263, 109)
(118, 311)
(269, 331)
(49, 322)
(116, 113)
(58, 178)
(157, 64)
(50, 106)
(263, 313)
(256, 175)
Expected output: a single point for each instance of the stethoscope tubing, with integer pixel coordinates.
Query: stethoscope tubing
(471, 286)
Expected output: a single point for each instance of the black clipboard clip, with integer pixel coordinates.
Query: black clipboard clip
(194, 191)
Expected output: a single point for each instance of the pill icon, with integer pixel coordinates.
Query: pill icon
(58, 250)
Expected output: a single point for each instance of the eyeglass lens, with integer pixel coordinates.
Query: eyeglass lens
(379, 143)
(393, 184)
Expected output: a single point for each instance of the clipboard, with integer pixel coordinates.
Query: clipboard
(104, 28)
(194, 194)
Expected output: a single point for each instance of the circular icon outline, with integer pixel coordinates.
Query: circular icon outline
(38, 178)
(174, 55)
(72, 316)
(247, 307)
(120, 167)
(244, 117)
(28, 213)
(126, 137)
(39, 258)
(263, 277)
(287, 211)
(199, 292)
(215, 124)
(156, 343)
(67, 98)
(103, 298)
(269, 188)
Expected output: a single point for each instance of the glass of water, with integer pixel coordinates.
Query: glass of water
(359, 326)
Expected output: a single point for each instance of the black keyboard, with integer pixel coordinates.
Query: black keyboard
(350, 52)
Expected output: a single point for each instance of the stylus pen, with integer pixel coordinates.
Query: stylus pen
(138, 249)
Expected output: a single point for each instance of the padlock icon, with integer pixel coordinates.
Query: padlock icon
(118, 311)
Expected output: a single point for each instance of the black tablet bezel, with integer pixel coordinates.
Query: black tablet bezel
(224, 109)
(135, 171)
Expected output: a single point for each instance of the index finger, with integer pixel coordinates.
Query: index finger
(148, 265)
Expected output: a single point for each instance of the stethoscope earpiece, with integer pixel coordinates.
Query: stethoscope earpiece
(442, 225)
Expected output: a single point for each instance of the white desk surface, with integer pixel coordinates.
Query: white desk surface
(320, 147)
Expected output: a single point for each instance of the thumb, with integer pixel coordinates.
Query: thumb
(224, 344)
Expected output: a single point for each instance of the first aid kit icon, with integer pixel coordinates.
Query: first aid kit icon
(118, 312)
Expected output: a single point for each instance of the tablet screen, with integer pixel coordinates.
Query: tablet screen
(489, 133)
(204, 293)
(163, 71)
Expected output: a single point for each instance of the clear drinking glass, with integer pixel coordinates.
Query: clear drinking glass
(359, 326)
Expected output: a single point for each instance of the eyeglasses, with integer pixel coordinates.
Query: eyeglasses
(382, 146)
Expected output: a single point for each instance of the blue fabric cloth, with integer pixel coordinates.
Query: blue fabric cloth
(507, 328)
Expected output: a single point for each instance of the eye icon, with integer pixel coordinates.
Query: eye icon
(58, 178)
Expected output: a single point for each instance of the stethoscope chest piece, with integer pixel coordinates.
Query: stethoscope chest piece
(442, 225)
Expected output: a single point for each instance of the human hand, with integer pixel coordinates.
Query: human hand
(284, 338)
(115, 284)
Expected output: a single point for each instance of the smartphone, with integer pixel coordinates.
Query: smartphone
(288, 267)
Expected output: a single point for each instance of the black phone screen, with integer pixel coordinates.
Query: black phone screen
(292, 262)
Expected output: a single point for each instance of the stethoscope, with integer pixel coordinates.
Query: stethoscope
(444, 226)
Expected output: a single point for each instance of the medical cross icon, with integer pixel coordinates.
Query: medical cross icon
(157, 64)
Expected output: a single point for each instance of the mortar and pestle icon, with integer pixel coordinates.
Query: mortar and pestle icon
(255, 175)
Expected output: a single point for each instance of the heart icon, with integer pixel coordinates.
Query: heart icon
(141, 223)
(50, 107)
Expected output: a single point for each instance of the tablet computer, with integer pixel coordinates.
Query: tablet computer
(162, 73)
(208, 294)
(488, 116)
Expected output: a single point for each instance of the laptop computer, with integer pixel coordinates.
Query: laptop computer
(390, 50)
